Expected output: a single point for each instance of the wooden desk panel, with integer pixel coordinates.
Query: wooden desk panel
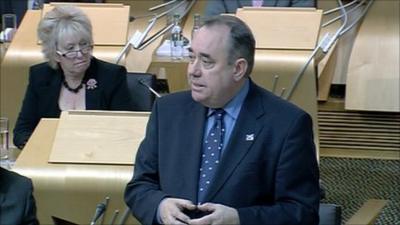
(283, 27)
(373, 80)
(112, 15)
(139, 60)
(175, 72)
(70, 191)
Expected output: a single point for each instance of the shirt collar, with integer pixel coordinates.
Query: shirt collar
(232, 108)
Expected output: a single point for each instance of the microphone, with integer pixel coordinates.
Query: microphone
(124, 217)
(114, 217)
(100, 209)
(106, 201)
(150, 88)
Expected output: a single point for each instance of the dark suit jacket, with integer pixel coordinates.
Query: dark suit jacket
(17, 205)
(271, 178)
(216, 7)
(43, 91)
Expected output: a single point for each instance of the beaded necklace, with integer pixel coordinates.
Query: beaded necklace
(73, 90)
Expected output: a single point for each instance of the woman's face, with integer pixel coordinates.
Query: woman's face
(73, 55)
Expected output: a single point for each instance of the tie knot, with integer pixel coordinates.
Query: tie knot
(219, 114)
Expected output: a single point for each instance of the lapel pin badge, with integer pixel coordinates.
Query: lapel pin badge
(91, 84)
(249, 137)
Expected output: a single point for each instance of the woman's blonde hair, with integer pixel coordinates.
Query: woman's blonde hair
(60, 21)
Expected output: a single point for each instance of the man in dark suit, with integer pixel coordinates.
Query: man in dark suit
(216, 7)
(228, 151)
(17, 205)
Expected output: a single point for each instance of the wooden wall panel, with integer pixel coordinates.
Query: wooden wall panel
(373, 79)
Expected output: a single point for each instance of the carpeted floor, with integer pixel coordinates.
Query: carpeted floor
(351, 182)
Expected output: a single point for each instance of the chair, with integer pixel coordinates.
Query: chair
(330, 214)
(138, 85)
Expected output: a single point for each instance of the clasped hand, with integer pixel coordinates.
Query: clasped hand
(175, 211)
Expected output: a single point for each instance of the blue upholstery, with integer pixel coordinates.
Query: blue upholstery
(330, 214)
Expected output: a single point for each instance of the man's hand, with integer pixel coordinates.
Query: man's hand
(219, 214)
(170, 210)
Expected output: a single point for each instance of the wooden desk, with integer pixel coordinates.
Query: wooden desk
(70, 191)
(175, 72)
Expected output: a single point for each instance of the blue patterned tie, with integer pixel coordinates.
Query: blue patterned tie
(211, 153)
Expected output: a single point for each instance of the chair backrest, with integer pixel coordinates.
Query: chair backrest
(142, 97)
(330, 214)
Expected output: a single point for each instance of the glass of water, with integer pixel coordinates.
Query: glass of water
(4, 141)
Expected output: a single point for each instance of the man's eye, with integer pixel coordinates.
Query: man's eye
(206, 62)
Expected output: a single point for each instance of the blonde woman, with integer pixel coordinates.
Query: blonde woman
(71, 79)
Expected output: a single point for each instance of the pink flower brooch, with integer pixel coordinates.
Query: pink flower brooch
(91, 84)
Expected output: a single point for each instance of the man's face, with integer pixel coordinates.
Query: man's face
(210, 77)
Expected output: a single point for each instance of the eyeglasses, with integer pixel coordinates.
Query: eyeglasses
(74, 53)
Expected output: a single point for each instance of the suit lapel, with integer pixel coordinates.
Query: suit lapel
(4, 186)
(92, 95)
(93, 99)
(243, 135)
(192, 140)
(1, 200)
(53, 86)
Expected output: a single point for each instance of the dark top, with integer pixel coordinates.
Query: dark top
(17, 205)
(43, 91)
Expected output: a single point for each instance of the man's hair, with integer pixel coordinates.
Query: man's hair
(241, 40)
(58, 22)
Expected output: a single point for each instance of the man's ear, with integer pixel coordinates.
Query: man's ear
(240, 69)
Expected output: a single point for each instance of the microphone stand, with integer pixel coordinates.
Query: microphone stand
(124, 216)
(339, 8)
(100, 209)
(106, 201)
(150, 88)
(340, 16)
(114, 217)
(139, 43)
(324, 45)
(358, 18)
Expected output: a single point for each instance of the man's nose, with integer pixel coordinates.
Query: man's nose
(194, 68)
